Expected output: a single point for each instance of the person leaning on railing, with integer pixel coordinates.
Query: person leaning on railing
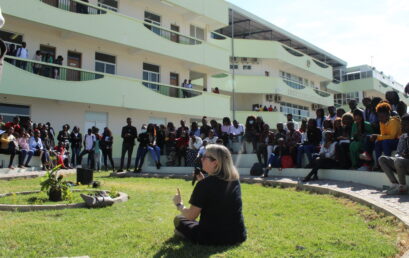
(217, 199)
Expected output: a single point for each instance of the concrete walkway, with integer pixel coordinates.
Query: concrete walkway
(8, 174)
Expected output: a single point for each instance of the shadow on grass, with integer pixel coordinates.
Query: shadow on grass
(177, 247)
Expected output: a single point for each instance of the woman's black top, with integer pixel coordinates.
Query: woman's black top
(106, 142)
(314, 136)
(76, 140)
(221, 219)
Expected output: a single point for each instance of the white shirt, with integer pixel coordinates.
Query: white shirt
(189, 85)
(2, 21)
(296, 125)
(89, 141)
(196, 145)
(237, 131)
(211, 141)
(22, 53)
(329, 152)
(34, 144)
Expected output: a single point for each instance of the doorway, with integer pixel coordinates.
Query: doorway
(174, 81)
(173, 36)
(74, 60)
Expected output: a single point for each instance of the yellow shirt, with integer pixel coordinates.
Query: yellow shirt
(5, 140)
(391, 130)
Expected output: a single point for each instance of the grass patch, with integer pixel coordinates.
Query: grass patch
(280, 223)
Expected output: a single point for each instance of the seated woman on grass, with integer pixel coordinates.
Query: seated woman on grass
(217, 199)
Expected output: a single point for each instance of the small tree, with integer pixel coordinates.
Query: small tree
(54, 186)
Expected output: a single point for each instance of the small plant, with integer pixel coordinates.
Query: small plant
(55, 187)
(113, 193)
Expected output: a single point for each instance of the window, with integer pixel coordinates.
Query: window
(45, 49)
(105, 63)
(9, 111)
(197, 32)
(235, 67)
(151, 73)
(246, 67)
(109, 4)
(11, 38)
(343, 99)
(154, 19)
(298, 112)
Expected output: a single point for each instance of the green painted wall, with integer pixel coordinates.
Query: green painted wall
(111, 91)
(120, 29)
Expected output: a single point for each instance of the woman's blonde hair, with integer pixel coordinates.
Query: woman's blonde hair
(225, 168)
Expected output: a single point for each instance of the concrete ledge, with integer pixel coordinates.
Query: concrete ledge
(123, 197)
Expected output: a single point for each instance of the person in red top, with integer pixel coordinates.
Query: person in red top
(62, 158)
(15, 124)
(181, 146)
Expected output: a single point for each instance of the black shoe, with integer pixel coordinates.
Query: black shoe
(120, 170)
(157, 165)
(305, 180)
(314, 178)
(27, 166)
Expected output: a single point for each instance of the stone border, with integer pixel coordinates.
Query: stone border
(123, 197)
(276, 182)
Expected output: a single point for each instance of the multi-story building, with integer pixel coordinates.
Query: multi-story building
(124, 58)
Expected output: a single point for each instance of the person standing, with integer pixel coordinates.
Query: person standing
(106, 147)
(89, 147)
(76, 141)
(129, 133)
(22, 52)
(37, 57)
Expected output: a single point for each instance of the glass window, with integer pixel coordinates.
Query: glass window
(105, 63)
(197, 32)
(151, 73)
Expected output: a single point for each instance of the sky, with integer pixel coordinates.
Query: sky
(357, 31)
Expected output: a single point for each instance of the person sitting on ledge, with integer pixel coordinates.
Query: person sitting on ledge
(9, 145)
(326, 158)
(398, 164)
(217, 199)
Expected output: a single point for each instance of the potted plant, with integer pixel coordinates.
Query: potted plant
(54, 186)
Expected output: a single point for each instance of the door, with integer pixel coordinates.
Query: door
(174, 80)
(74, 60)
(173, 36)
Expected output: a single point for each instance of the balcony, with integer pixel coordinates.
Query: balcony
(24, 77)
(275, 50)
(104, 24)
(274, 85)
(271, 118)
(366, 84)
(212, 12)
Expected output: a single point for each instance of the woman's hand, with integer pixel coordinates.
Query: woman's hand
(177, 198)
(199, 177)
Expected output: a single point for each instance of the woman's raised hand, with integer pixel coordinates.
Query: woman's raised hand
(177, 198)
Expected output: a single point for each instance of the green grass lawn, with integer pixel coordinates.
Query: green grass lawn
(280, 223)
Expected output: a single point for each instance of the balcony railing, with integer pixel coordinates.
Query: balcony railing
(77, 6)
(322, 93)
(60, 72)
(53, 71)
(293, 84)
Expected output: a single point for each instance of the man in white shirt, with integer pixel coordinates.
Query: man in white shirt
(89, 147)
(236, 135)
(212, 138)
(22, 52)
(290, 119)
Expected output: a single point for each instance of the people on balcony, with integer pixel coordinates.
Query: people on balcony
(38, 57)
(22, 52)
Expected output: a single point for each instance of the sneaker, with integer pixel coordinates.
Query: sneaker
(120, 170)
(393, 190)
(364, 167)
(365, 156)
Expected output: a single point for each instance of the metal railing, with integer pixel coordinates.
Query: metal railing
(171, 35)
(77, 6)
(53, 71)
(60, 72)
(74, 6)
(293, 84)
